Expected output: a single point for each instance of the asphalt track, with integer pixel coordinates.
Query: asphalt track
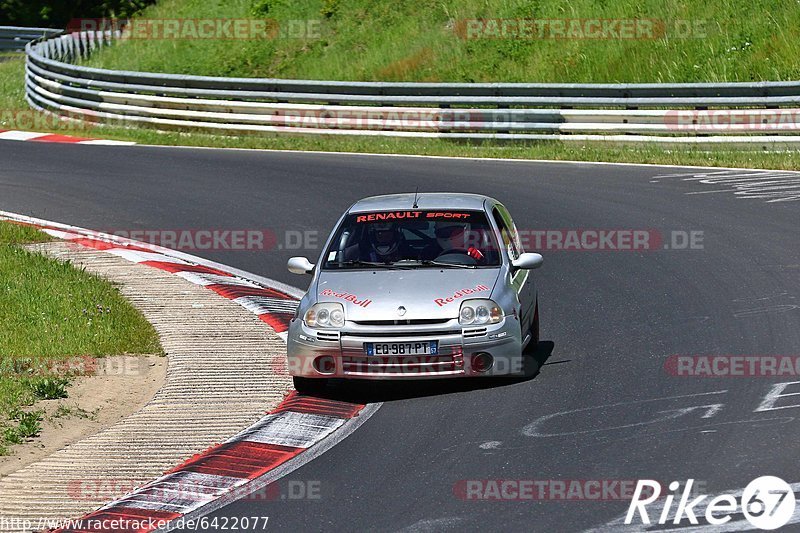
(609, 321)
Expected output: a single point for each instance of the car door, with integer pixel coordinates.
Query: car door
(521, 280)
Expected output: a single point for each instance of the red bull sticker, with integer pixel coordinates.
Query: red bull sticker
(352, 298)
(460, 294)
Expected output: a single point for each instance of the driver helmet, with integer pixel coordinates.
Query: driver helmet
(385, 239)
(452, 236)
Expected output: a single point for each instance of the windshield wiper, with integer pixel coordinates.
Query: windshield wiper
(431, 262)
(359, 263)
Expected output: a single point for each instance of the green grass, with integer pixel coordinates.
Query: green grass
(20, 234)
(12, 88)
(49, 388)
(51, 312)
(416, 40)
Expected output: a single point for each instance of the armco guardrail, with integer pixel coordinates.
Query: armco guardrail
(13, 38)
(698, 112)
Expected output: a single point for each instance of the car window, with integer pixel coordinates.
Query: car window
(508, 231)
(413, 239)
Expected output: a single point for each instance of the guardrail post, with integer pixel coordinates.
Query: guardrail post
(82, 43)
(59, 49)
(72, 51)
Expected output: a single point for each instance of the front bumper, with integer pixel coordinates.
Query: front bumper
(344, 355)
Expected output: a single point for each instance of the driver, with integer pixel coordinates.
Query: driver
(454, 237)
(385, 243)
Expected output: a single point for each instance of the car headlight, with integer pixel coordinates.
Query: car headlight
(325, 315)
(478, 312)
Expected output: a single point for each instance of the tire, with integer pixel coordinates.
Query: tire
(309, 385)
(530, 363)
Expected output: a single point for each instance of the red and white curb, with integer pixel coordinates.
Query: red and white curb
(211, 479)
(16, 135)
(295, 432)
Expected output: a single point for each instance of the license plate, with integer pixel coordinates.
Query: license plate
(402, 348)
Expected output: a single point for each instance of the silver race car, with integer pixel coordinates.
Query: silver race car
(416, 286)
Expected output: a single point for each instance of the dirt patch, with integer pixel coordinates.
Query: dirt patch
(403, 68)
(121, 386)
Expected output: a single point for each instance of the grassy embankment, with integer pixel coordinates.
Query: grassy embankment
(51, 316)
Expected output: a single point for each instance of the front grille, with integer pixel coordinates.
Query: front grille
(471, 333)
(404, 365)
(401, 333)
(328, 336)
(402, 322)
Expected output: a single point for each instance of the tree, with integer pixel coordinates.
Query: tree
(57, 13)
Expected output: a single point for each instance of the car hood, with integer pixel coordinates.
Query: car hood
(427, 293)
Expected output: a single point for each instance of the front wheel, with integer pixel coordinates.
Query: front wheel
(531, 364)
(535, 328)
(309, 385)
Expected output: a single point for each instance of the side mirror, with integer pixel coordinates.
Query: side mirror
(528, 261)
(299, 265)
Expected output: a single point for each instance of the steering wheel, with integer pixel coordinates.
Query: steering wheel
(454, 251)
(460, 256)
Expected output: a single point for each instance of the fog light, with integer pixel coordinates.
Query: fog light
(325, 364)
(482, 362)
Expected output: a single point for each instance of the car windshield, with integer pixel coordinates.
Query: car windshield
(413, 239)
